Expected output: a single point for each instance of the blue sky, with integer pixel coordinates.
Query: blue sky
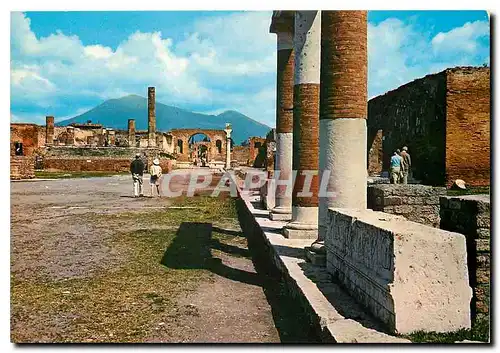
(64, 63)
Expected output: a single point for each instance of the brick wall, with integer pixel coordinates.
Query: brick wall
(240, 154)
(28, 135)
(468, 125)
(22, 167)
(444, 119)
(87, 164)
(417, 203)
(470, 215)
(413, 115)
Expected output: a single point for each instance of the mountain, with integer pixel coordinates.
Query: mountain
(115, 113)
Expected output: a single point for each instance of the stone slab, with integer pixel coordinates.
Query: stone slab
(314, 258)
(323, 299)
(300, 233)
(411, 276)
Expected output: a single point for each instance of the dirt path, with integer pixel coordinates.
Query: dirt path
(91, 264)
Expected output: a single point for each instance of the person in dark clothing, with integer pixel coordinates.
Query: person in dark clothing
(137, 170)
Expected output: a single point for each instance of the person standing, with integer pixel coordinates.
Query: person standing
(406, 164)
(395, 168)
(137, 170)
(155, 180)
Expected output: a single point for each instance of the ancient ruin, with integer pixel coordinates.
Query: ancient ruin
(330, 132)
(443, 118)
(363, 260)
(94, 147)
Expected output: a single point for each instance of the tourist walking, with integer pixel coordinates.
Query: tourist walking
(155, 180)
(395, 168)
(137, 170)
(406, 164)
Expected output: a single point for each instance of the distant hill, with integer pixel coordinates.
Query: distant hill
(116, 112)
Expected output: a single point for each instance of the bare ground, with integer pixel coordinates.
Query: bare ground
(89, 263)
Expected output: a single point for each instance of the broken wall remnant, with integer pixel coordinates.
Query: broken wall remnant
(468, 126)
(49, 126)
(470, 215)
(417, 203)
(410, 276)
(22, 167)
(444, 119)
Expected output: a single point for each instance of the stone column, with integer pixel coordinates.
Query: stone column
(307, 47)
(102, 138)
(70, 141)
(151, 117)
(111, 137)
(228, 131)
(343, 111)
(49, 130)
(284, 122)
(131, 132)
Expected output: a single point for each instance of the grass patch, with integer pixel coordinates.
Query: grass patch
(473, 190)
(478, 332)
(42, 174)
(134, 299)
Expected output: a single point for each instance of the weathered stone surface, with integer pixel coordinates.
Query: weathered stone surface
(482, 245)
(418, 203)
(411, 276)
(338, 316)
(470, 215)
(483, 233)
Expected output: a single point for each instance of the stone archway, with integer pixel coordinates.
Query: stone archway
(214, 152)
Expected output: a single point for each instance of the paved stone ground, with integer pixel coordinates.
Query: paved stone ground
(72, 271)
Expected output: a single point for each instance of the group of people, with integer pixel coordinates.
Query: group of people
(137, 169)
(400, 166)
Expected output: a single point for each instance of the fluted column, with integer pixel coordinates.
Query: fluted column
(49, 130)
(307, 48)
(284, 122)
(343, 110)
(151, 117)
(228, 131)
(131, 132)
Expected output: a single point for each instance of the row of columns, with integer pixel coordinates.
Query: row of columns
(322, 69)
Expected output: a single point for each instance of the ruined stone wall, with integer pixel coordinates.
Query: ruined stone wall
(375, 155)
(410, 276)
(257, 152)
(214, 135)
(22, 167)
(103, 164)
(417, 203)
(412, 115)
(468, 125)
(240, 154)
(470, 215)
(28, 135)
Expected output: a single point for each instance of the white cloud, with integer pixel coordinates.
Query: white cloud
(98, 52)
(224, 62)
(183, 72)
(399, 52)
(461, 39)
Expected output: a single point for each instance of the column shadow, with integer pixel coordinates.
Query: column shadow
(192, 249)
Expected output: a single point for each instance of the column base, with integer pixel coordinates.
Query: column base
(296, 230)
(281, 214)
(315, 258)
